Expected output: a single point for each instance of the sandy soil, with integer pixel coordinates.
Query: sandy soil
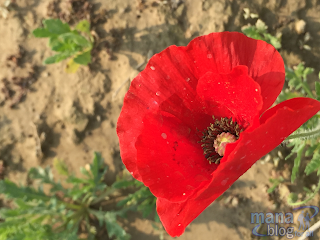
(47, 113)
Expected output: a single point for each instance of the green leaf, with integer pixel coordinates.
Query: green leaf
(275, 183)
(318, 90)
(11, 190)
(96, 168)
(113, 228)
(122, 184)
(310, 150)
(83, 26)
(292, 198)
(83, 58)
(45, 175)
(58, 57)
(251, 31)
(274, 41)
(39, 173)
(75, 180)
(297, 162)
(75, 38)
(306, 72)
(61, 167)
(42, 33)
(314, 164)
(56, 26)
(60, 46)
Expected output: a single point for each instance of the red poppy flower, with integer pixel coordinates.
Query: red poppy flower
(197, 118)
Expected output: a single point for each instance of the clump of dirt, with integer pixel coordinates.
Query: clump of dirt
(2, 168)
(72, 11)
(15, 86)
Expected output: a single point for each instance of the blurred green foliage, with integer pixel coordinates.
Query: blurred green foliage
(305, 142)
(74, 44)
(59, 213)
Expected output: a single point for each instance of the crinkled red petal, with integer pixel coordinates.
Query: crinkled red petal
(235, 90)
(221, 52)
(169, 158)
(276, 124)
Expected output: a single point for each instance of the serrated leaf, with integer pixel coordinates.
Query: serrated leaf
(45, 174)
(297, 162)
(274, 41)
(314, 164)
(275, 184)
(83, 58)
(11, 190)
(61, 167)
(56, 26)
(83, 26)
(96, 168)
(58, 57)
(307, 71)
(72, 67)
(318, 90)
(310, 150)
(75, 180)
(251, 31)
(146, 207)
(123, 184)
(113, 228)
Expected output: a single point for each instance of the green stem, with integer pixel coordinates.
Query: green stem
(305, 134)
(306, 88)
(103, 196)
(309, 198)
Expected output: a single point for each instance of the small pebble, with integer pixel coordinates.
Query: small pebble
(235, 202)
(300, 26)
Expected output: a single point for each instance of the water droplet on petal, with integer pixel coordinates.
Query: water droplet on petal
(188, 79)
(158, 93)
(209, 55)
(179, 224)
(256, 89)
(184, 194)
(164, 136)
(224, 181)
(152, 68)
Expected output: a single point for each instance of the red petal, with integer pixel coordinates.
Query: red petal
(170, 79)
(169, 159)
(235, 91)
(276, 124)
(221, 52)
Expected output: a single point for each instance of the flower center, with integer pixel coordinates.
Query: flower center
(217, 136)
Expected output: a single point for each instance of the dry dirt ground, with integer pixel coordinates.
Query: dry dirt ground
(46, 113)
